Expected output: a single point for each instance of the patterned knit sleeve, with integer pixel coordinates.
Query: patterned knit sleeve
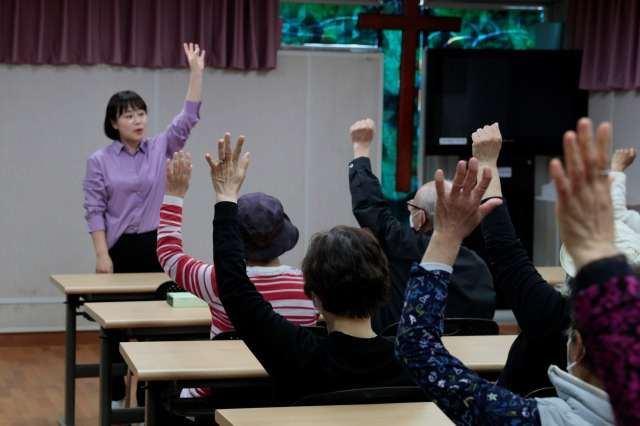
(461, 394)
(606, 302)
(196, 277)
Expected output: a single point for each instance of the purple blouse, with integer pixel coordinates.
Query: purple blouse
(123, 192)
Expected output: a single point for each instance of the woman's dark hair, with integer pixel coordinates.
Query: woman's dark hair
(118, 104)
(347, 270)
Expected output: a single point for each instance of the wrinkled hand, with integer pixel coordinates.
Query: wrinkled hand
(195, 56)
(622, 158)
(178, 174)
(226, 174)
(362, 133)
(459, 211)
(584, 210)
(487, 142)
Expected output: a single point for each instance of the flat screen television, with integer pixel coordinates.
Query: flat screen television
(532, 94)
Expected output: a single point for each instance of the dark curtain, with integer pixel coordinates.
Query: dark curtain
(237, 34)
(608, 33)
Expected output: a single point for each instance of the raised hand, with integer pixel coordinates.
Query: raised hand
(584, 211)
(622, 158)
(459, 211)
(487, 142)
(195, 56)
(178, 174)
(362, 133)
(227, 174)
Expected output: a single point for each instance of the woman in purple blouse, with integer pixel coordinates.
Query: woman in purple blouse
(124, 183)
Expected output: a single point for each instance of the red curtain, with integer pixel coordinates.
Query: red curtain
(608, 33)
(237, 34)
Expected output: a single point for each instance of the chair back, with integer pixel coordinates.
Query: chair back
(227, 335)
(470, 327)
(458, 327)
(167, 287)
(378, 395)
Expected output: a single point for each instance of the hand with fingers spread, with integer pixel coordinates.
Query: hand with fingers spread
(459, 211)
(178, 174)
(584, 210)
(195, 56)
(227, 174)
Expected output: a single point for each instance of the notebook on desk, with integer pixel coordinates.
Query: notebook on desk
(184, 300)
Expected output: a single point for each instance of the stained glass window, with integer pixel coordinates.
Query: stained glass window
(504, 28)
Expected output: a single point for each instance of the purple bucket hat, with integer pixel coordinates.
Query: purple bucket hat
(266, 230)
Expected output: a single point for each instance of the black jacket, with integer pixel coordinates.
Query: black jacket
(471, 292)
(542, 313)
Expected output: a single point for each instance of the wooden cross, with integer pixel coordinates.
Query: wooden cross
(411, 23)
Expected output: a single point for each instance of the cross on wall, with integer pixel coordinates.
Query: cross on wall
(411, 23)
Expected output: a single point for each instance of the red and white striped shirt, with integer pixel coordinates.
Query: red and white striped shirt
(282, 285)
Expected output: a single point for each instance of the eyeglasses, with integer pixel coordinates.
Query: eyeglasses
(411, 207)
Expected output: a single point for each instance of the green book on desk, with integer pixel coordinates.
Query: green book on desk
(184, 300)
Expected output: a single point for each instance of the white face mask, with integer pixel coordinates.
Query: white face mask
(570, 365)
(411, 220)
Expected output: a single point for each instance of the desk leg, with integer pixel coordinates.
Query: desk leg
(70, 361)
(153, 403)
(106, 369)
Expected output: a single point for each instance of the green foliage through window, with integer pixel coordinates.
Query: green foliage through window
(337, 24)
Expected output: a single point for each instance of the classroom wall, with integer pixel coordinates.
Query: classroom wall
(295, 118)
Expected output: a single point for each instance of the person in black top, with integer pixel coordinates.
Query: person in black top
(543, 313)
(346, 276)
(471, 291)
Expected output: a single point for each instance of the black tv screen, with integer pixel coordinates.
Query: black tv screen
(533, 94)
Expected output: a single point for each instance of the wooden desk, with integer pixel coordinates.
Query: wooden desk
(199, 363)
(79, 288)
(192, 360)
(141, 319)
(190, 364)
(406, 414)
(484, 354)
(552, 274)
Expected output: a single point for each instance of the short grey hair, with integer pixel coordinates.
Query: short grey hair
(428, 197)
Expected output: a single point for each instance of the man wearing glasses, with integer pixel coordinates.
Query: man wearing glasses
(471, 292)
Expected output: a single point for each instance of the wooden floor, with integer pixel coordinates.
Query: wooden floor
(32, 386)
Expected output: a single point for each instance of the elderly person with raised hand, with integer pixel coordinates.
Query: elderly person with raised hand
(345, 274)
(605, 291)
(267, 233)
(626, 221)
(543, 314)
(471, 293)
(465, 397)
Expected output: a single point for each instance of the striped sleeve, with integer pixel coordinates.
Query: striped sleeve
(194, 276)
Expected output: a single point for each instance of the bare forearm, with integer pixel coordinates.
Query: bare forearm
(361, 149)
(194, 92)
(99, 239)
(442, 249)
(495, 189)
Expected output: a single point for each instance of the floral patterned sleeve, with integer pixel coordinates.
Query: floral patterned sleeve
(606, 302)
(461, 394)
